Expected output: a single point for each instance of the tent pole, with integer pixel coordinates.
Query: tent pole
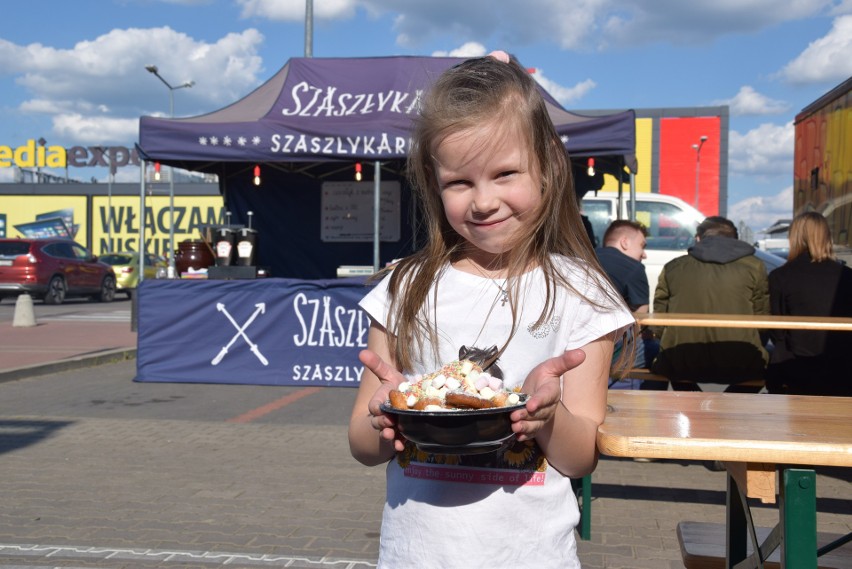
(619, 202)
(632, 196)
(377, 199)
(309, 28)
(141, 247)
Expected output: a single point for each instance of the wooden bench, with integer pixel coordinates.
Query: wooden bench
(702, 546)
(646, 375)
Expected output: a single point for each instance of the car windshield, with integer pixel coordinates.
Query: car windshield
(114, 259)
(14, 248)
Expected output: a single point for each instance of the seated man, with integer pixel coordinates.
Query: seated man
(621, 257)
(719, 275)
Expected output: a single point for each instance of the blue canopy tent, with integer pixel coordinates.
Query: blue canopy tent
(310, 123)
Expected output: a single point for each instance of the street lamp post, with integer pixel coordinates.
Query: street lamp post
(41, 142)
(697, 148)
(112, 169)
(153, 69)
(109, 199)
(309, 28)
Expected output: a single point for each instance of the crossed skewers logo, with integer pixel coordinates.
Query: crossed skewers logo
(260, 308)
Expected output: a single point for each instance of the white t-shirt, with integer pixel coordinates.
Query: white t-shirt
(495, 510)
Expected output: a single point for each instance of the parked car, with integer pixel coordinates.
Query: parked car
(670, 221)
(671, 224)
(126, 267)
(776, 246)
(53, 269)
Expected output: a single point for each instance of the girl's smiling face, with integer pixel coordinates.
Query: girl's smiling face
(488, 187)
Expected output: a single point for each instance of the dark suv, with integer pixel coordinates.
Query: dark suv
(52, 269)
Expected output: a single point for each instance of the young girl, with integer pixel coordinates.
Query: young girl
(507, 264)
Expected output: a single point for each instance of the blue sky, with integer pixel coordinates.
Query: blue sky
(74, 72)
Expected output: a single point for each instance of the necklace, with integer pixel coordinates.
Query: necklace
(504, 292)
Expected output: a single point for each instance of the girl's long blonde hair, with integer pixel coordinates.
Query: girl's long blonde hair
(472, 94)
(809, 233)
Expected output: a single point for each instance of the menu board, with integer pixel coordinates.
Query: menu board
(347, 211)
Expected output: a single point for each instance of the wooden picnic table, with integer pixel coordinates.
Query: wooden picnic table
(753, 435)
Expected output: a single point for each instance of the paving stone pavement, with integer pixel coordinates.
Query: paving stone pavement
(98, 471)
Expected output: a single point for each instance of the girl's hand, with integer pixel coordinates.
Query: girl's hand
(544, 387)
(390, 379)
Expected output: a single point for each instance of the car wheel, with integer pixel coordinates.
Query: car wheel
(55, 291)
(107, 293)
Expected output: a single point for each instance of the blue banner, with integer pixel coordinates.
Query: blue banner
(260, 332)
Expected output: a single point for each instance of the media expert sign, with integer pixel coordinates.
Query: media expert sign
(119, 225)
(33, 155)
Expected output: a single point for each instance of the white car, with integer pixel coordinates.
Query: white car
(671, 224)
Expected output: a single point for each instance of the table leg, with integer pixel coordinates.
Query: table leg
(797, 509)
(741, 531)
(735, 523)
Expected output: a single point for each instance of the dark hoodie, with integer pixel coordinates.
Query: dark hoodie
(719, 275)
(720, 250)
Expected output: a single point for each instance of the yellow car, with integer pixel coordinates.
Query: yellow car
(126, 267)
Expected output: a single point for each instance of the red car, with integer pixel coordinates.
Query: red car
(52, 269)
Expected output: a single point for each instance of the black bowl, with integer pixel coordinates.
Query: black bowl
(457, 431)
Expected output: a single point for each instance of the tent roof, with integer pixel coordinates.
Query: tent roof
(331, 109)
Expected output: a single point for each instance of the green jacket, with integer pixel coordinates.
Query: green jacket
(719, 275)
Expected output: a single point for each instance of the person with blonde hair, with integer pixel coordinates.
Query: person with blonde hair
(507, 264)
(810, 283)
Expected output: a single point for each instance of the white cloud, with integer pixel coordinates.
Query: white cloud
(842, 7)
(565, 95)
(763, 151)
(760, 212)
(45, 106)
(747, 101)
(294, 10)
(112, 66)
(95, 130)
(827, 59)
(674, 21)
(469, 49)
(90, 88)
(580, 25)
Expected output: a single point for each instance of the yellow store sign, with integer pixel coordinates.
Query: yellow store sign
(121, 226)
(102, 223)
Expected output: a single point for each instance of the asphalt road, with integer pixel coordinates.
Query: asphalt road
(73, 308)
(109, 392)
(100, 471)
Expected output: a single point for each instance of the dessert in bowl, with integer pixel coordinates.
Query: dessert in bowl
(459, 409)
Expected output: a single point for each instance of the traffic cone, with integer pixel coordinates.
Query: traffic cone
(24, 314)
